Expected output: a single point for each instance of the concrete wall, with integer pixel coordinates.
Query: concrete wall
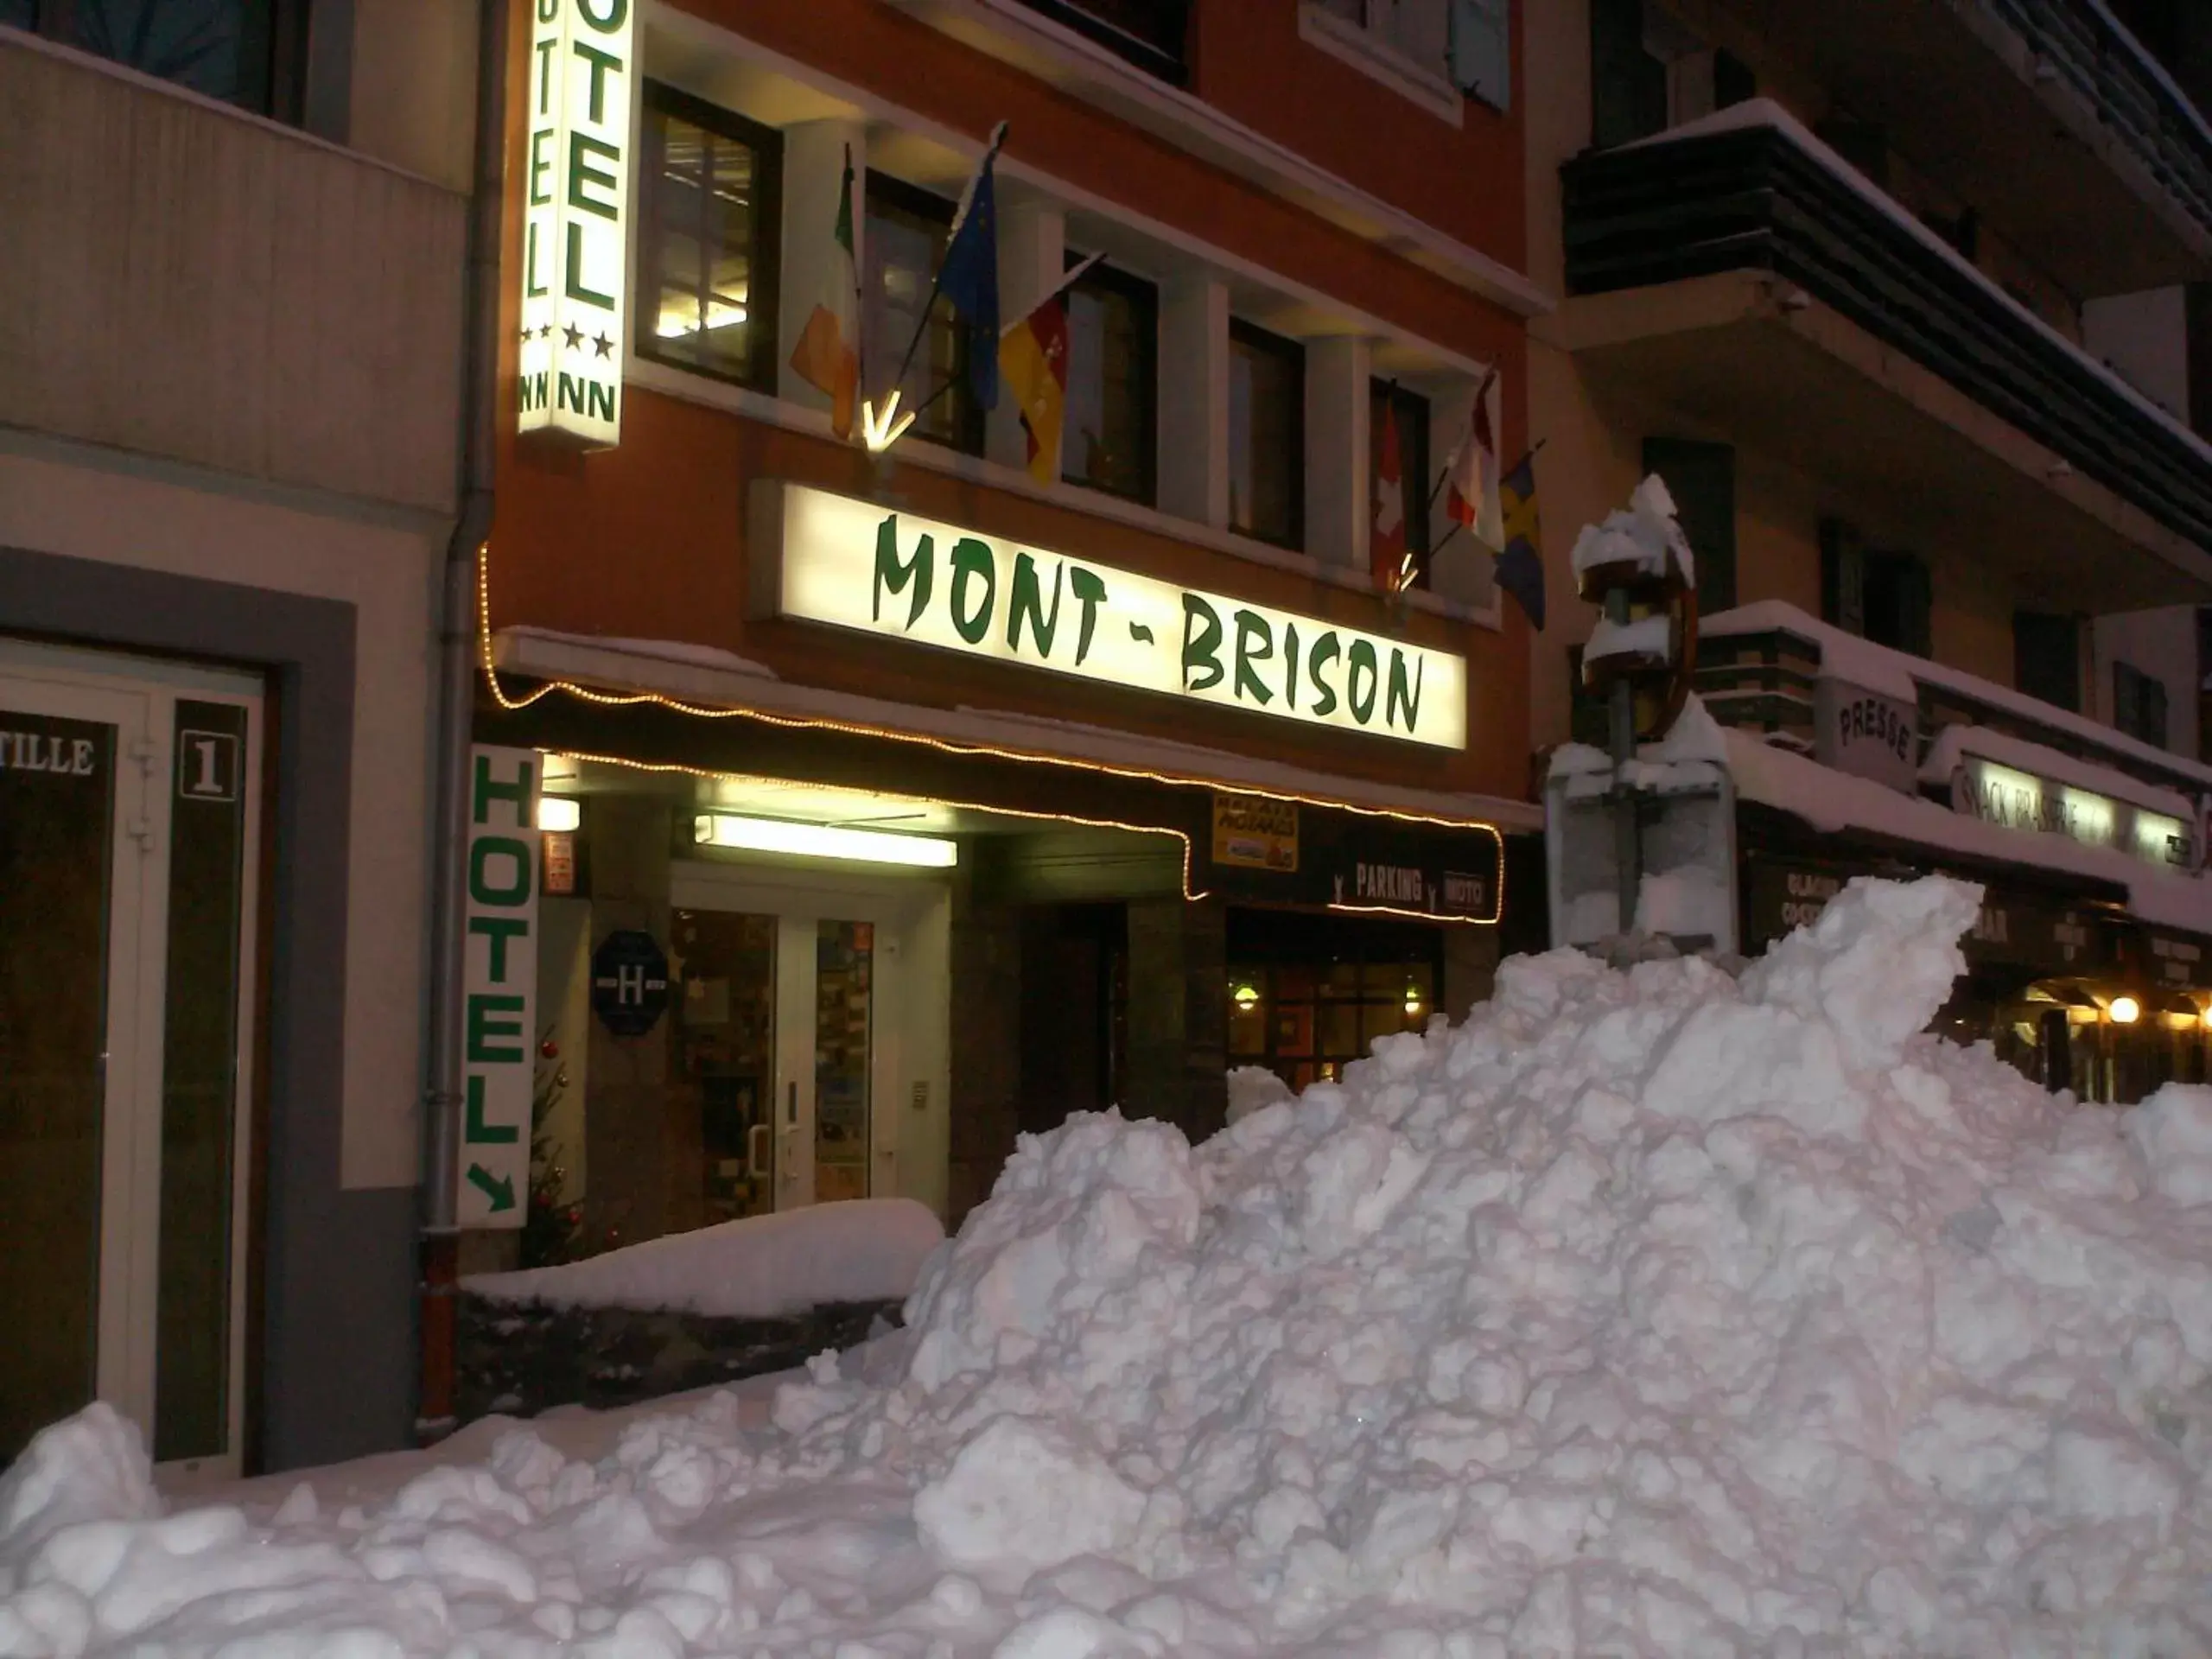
(2144, 337)
(214, 288)
(2162, 643)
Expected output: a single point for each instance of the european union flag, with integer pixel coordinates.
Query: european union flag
(968, 277)
(1521, 566)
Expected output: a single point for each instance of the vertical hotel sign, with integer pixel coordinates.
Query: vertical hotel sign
(576, 225)
(499, 988)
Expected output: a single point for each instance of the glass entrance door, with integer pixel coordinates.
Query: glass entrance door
(775, 1058)
(128, 805)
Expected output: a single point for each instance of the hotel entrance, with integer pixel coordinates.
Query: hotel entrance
(130, 803)
(806, 1041)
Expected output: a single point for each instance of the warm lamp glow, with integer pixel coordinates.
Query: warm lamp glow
(823, 840)
(881, 428)
(2124, 1010)
(1246, 996)
(559, 813)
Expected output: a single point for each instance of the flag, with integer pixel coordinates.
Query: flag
(1471, 498)
(1521, 566)
(1386, 550)
(828, 354)
(1034, 360)
(968, 274)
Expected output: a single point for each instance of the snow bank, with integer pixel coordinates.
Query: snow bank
(1654, 1313)
(761, 1268)
(1645, 534)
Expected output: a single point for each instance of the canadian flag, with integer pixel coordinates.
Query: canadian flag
(1385, 552)
(1471, 498)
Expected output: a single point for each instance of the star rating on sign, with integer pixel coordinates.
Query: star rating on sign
(574, 336)
(605, 343)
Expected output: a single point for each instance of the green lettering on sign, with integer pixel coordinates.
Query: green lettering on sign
(518, 889)
(484, 1028)
(1360, 660)
(891, 572)
(1201, 645)
(972, 559)
(476, 1131)
(1326, 649)
(1090, 589)
(1403, 702)
(501, 1191)
(1026, 600)
(499, 930)
(1255, 643)
(489, 789)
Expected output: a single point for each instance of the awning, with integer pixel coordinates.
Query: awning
(717, 683)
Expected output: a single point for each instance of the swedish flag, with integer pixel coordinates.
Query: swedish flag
(1521, 566)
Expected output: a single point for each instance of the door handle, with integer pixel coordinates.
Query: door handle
(791, 1104)
(758, 1150)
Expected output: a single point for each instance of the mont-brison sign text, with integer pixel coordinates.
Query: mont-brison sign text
(576, 220)
(880, 569)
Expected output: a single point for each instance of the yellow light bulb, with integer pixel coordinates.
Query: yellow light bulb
(2124, 1010)
(1246, 997)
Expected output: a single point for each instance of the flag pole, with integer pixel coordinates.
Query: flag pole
(937, 281)
(1474, 412)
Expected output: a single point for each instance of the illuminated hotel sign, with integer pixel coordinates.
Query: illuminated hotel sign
(883, 570)
(575, 223)
(2020, 800)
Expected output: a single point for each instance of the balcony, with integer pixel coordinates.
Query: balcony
(190, 282)
(1739, 273)
(2044, 113)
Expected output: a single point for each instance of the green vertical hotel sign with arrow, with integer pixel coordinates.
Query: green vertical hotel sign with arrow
(499, 988)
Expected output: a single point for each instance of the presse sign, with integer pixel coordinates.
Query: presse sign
(883, 570)
(575, 222)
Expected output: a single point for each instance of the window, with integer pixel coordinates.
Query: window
(1701, 477)
(244, 52)
(1418, 30)
(1108, 434)
(907, 230)
(1884, 597)
(2139, 704)
(1267, 435)
(1482, 50)
(1307, 995)
(1387, 400)
(706, 245)
(2047, 658)
(1649, 71)
(1150, 34)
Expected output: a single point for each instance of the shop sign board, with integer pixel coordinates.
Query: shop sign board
(629, 982)
(1444, 873)
(2012, 929)
(2179, 961)
(582, 86)
(499, 988)
(1256, 832)
(820, 557)
(1866, 734)
(1423, 888)
(2014, 799)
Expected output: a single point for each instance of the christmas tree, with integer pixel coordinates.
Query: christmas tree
(552, 1230)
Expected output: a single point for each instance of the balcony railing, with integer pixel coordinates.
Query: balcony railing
(2131, 93)
(1762, 195)
(1153, 35)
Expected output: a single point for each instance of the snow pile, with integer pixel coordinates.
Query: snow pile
(1252, 1088)
(1652, 1313)
(1645, 535)
(759, 1267)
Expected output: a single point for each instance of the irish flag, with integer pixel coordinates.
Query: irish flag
(828, 354)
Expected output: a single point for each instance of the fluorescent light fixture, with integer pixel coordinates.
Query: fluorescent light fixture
(559, 812)
(823, 840)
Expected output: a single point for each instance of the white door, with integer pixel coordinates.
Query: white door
(129, 805)
(851, 1056)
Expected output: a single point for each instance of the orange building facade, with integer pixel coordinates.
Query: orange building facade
(957, 789)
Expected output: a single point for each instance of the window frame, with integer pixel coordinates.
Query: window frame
(1144, 294)
(272, 53)
(1292, 354)
(762, 291)
(916, 202)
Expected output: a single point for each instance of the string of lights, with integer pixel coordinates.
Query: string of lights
(972, 750)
